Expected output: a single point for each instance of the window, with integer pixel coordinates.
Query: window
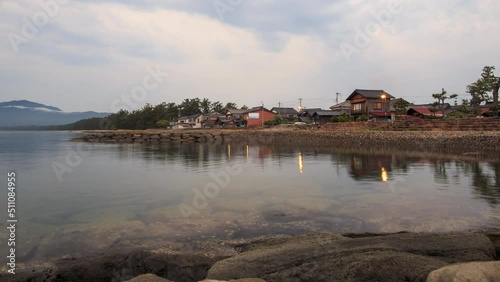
(377, 106)
(357, 107)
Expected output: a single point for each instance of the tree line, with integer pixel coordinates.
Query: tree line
(150, 116)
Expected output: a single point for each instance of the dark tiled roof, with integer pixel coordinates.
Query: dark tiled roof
(326, 113)
(372, 94)
(236, 111)
(285, 111)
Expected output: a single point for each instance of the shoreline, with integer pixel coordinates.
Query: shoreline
(471, 142)
(429, 250)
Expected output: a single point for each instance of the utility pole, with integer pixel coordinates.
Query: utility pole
(300, 104)
(279, 108)
(337, 98)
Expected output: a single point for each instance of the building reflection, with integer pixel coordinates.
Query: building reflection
(370, 167)
(301, 163)
(367, 165)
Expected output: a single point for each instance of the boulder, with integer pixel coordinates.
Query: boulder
(148, 278)
(333, 257)
(472, 271)
(237, 280)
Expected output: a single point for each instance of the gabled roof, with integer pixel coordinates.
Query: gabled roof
(257, 109)
(284, 111)
(310, 110)
(370, 94)
(326, 113)
(190, 117)
(424, 111)
(236, 111)
(345, 104)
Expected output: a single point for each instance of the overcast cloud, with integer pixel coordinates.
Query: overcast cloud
(91, 53)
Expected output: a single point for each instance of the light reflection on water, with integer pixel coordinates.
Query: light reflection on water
(128, 195)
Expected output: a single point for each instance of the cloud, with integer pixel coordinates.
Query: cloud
(92, 52)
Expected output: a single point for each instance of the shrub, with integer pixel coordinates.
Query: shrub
(413, 128)
(362, 118)
(342, 118)
(163, 123)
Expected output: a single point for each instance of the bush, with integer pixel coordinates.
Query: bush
(456, 115)
(276, 120)
(413, 128)
(362, 118)
(342, 118)
(163, 123)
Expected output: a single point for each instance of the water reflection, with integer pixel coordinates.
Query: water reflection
(362, 165)
(301, 163)
(122, 194)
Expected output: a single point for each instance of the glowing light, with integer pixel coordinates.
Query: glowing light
(301, 163)
(383, 96)
(247, 151)
(229, 151)
(385, 175)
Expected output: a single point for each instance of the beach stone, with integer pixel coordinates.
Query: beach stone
(148, 278)
(237, 280)
(472, 271)
(333, 257)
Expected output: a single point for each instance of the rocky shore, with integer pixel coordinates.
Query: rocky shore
(308, 257)
(465, 141)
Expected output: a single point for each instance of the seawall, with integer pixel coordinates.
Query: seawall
(464, 141)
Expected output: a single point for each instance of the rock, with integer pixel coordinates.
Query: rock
(332, 257)
(237, 280)
(472, 271)
(148, 278)
(173, 267)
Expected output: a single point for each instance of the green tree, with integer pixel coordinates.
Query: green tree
(441, 98)
(190, 107)
(245, 107)
(400, 107)
(205, 106)
(218, 107)
(163, 123)
(487, 83)
(229, 106)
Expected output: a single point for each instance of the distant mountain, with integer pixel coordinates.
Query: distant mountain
(27, 113)
(22, 104)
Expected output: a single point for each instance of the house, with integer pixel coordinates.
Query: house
(187, 121)
(288, 114)
(234, 118)
(422, 112)
(323, 116)
(305, 115)
(374, 104)
(257, 116)
(342, 108)
(207, 120)
(485, 110)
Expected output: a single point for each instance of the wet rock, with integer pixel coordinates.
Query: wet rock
(332, 257)
(473, 271)
(148, 278)
(237, 280)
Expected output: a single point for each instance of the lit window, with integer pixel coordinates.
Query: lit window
(377, 106)
(357, 107)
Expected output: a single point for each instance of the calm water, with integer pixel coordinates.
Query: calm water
(76, 199)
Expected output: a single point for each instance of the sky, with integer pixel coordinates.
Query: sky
(108, 55)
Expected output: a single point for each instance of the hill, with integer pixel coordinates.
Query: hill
(20, 113)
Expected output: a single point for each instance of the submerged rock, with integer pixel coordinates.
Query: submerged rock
(333, 257)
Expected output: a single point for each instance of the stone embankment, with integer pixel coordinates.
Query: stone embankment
(465, 141)
(465, 124)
